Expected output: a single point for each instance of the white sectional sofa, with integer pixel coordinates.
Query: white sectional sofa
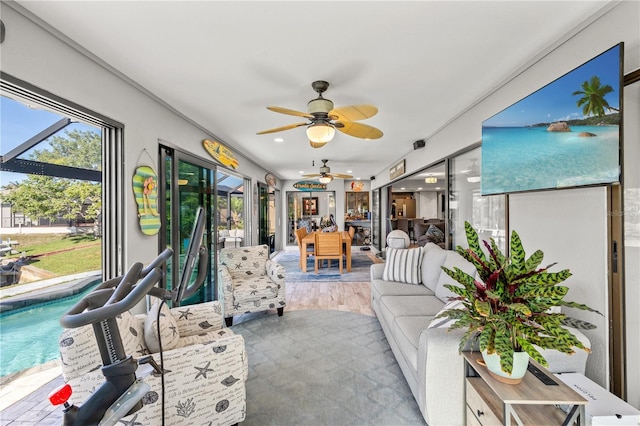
(429, 357)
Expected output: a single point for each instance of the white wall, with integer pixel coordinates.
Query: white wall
(574, 226)
(32, 54)
(570, 231)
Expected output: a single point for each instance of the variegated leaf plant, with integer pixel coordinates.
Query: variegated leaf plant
(507, 310)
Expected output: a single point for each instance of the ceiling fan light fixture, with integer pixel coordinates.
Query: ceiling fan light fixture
(325, 179)
(320, 132)
(317, 144)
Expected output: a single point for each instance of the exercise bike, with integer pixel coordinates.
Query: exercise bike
(124, 386)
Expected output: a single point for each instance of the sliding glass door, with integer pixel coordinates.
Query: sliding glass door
(188, 184)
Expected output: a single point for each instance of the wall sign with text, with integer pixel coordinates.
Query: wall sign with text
(310, 185)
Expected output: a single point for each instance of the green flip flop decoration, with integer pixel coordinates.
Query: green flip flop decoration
(145, 183)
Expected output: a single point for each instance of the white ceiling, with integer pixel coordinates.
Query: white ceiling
(220, 63)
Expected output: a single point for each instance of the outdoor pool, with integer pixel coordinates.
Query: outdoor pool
(29, 335)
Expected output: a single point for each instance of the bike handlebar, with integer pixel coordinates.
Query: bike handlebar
(125, 296)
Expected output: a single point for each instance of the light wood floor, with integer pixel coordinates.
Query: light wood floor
(352, 297)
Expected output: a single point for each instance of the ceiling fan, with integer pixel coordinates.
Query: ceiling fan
(325, 175)
(324, 119)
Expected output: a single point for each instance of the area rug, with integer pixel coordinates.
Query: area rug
(305, 368)
(290, 259)
(323, 368)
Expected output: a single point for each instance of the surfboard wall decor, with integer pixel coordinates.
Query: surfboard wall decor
(220, 153)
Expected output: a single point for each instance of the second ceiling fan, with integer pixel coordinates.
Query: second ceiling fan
(324, 119)
(325, 175)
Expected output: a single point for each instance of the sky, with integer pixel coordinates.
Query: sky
(555, 102)
(19, 123)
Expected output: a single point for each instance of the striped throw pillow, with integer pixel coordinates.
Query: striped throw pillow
(445, 322)
(403, 265)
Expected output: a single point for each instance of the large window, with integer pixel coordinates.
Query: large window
(60, 167)
(486, 214)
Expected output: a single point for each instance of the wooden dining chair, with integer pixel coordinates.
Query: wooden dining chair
(300, 234)
(328, 246)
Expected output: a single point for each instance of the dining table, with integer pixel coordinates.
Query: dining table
(311, 239)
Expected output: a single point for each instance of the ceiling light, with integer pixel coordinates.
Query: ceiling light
(431, 179)
(320, 132)
(278, 140)
(301, 172)
(473, 179)
(325, 179)
(317, 144)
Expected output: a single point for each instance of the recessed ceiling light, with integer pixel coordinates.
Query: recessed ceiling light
(420, 189)
(403, 188)
(349, 171)
(301, 172)
(278, 140)
(357, 177)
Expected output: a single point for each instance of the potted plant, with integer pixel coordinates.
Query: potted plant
(511, 308)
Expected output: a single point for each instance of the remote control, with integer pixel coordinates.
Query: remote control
(541, 376)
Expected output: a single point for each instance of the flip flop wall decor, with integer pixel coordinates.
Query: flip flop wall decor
(145, 182)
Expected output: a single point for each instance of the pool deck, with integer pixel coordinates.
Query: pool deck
(23, 395)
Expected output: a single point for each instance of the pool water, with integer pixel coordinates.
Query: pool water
(29, 336)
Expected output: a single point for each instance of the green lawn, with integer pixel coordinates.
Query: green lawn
(75, 253)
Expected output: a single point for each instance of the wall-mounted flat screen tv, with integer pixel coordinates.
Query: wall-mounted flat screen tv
(566, 134)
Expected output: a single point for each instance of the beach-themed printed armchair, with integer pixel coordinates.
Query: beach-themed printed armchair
(248, 281)
(205, 365)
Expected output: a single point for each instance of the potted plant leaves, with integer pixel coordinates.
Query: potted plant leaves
(513, 308)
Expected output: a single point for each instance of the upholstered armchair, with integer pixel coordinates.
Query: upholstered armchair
(205, 365)
(248, 281)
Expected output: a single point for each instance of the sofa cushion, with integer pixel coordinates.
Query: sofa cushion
(251, 289)
(434, 257)
(380, 288)
(403, 265)
(453, 260)
(397, 306)
(406, 331)
(168, 328)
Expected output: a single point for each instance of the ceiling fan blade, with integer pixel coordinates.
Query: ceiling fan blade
(290, 112)
(312, 175)
(359, 130)
(280, 129)
(353, 113)
(341, 176)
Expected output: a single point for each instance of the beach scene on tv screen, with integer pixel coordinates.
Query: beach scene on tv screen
(564, 135)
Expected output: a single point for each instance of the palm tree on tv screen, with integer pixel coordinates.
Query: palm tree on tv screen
(592, 100)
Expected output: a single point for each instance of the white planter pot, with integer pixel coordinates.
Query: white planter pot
(520, 363)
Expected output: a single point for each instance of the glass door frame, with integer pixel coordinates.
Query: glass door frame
(176, 156)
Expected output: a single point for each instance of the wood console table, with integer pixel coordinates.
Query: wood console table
(490, 402)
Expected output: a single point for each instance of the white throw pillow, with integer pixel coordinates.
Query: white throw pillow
(445, 322)
(168, 328)
(403, 265)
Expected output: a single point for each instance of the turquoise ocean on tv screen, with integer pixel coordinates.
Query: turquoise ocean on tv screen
(530, 158)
